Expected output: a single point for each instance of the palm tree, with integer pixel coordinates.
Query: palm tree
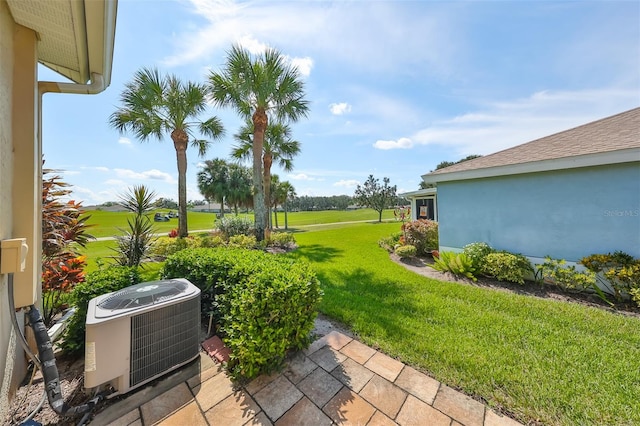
(239, 189)
(289, 194)
(277, 146)
(213, 181)
(153, 105)
(259, 88)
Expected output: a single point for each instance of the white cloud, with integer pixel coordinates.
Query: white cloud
(347, 183)
(153, 174)
(252, 45)
(124, 141)
(301, 176)
(340, 108)
(402, 143)
(303, 65)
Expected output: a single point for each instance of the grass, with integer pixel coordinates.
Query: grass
(106, 224)
(541, 360)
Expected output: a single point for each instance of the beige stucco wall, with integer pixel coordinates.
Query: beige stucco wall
(19, 179)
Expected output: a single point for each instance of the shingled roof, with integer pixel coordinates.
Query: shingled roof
(611, 134)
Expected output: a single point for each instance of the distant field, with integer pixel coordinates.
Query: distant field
(106, 224)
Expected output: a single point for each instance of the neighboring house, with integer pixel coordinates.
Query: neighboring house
(74, 38)
(567, 195)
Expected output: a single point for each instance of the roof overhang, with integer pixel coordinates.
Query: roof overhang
(419, 193)
(75, 37)
(589, 160)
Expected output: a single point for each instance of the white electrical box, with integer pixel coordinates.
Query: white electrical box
(13, 255)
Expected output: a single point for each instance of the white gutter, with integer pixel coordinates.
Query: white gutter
(97, 85)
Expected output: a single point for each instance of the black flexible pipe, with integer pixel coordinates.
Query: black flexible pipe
(50, 371)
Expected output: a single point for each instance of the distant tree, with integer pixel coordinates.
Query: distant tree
(260, 88)
(225, 182)
(153, 106)
(165, 203)
(289, 192)
(239, 188)
(374, 195)
(444, 164)
(424, 185)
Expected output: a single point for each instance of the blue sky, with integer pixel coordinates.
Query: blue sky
(394, 87)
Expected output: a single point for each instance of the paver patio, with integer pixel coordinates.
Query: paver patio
(336, 381)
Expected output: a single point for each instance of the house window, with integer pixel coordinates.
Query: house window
(426, 208)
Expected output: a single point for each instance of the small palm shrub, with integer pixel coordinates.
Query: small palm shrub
(234, 225)
(406, 251)
(457, 263)
(423, 234)
(477, 252)
(506, 266)
(97, 283)
(134, 245)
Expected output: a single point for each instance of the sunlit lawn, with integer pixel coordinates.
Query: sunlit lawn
(542, 360)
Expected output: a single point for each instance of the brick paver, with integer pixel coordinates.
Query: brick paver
(491, 418)
(304, 413)
(327, 358)
(384, 395)
(165, 404)
(190, 415)
(212, 391)
(348, 407)
(358, 352)
(416, 413)
(320, 386)
(418, 384)
(236, 409)
(385, 366)
(352, 374)
(380, 419)
(336, 340)
(459, 406)
(278, 397)
(299, 367)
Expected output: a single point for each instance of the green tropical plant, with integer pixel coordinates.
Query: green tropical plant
(620, 270)
(477, 252)
(421, 233)
(565, 276)
(64, 231)
(155, 105)
(456, 263)
(506, 266)
(289, 193)
(406, 251)
(135, 243)
(260, 89)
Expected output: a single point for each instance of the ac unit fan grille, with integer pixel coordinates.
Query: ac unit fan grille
(163, 338)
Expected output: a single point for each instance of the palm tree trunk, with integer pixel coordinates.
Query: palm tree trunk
(180, 141)
(286, 222)
(267, 162)
(275, 214)
(259, 127)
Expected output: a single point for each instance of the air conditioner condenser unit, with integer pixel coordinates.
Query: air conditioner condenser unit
(141, 332)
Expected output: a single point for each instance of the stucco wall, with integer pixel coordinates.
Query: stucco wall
(564, 214)
(7, 347)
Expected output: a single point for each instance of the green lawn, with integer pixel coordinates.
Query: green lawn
(106, 224)
(541, 360)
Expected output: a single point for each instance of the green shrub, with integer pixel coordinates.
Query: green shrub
(388, 243)
(620, 269)
(456, 263)
(406, 251)
(265, 304)
(423, 234)
(97, 283)
(506, 266)
(234, 225)
(477, 252)
(243, 241)
(566, 277)
(166, 246)
(211, 241)
(284, 240)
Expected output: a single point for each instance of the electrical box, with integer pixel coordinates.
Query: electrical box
(13, 255)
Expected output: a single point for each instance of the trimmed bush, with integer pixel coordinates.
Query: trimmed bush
(406, 251)
(506, 266)
(284, 240)
(265, 304)
(234, 225)
(566, 277)
(243, 241)
(423, 234)
(97, 283)
(166, 246)
(477, 252)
